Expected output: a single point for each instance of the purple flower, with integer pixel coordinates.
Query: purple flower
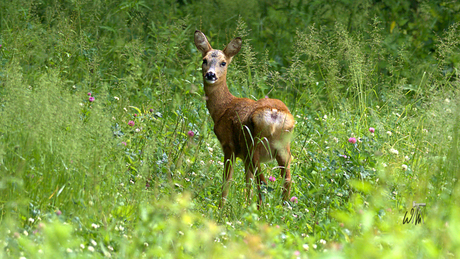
(151, 110)
(89, 93)
(131, 123)
(271, 178)
(372, 130)
(294, 199)
(91, 99)
(352, 140)
(190, 133)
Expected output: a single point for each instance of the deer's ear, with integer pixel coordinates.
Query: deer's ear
(202, 43)
(233, 47)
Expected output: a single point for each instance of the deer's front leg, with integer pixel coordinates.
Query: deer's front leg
(229, 160)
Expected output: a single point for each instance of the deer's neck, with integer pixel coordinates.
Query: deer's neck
(217, 99)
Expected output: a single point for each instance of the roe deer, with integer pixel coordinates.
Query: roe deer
(254, 131)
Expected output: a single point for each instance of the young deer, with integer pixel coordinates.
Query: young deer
(254, 131)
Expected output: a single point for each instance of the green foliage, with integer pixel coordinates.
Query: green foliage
(107, 149)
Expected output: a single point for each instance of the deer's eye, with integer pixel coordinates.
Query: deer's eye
(205, 62)
(223, 64)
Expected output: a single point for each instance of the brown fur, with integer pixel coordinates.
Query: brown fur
(255, 131)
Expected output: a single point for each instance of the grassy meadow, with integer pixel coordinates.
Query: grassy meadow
(107, 148)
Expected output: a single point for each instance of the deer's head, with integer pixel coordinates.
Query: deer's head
(215, 61)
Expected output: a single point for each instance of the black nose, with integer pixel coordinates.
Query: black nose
(210, 76)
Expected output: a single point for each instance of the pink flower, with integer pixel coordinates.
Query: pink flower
(124, 143)
(190, 133)
(296, 253)
(271, 178)
(91, 99)
(372, 130)
(135, 115)
(89, 93)
(294, 199)
(151, 110)
(352, 140)
(58, 212)
(131, 123)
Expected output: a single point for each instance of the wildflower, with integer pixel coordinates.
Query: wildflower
(191, 133)
(89, 93)
(91, 99)
(352, 140)
(138, 130)
(124, 143)
(93, 242)
(69, 250)
(371, 130)
(31, 220)
(151, 110)
(82, 246)
(135, 115)
(58, 212)
(389, 133)
(296, 253)
(271, 178)
(404, 167)
(305, 247)
(116, 98)
(91, 249)
(322, 241)
(95, 226)
(131, 123)
(394, 151)
(294, 199)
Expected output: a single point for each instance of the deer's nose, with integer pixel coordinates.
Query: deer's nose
(211, 76)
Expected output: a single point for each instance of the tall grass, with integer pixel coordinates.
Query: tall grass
(137, 171)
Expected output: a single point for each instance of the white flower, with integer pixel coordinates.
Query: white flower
(394, 151)
(389, 133)
(91, 249)
(82, 246)
(69, 250)
(26, 233)
(31, 220)
(95, 226)
(314, 246)
(404, 167)
(93, 242)
(116, 98)
(305, 247)
(322, 241)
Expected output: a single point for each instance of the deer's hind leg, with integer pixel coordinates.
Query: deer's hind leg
(284, 162)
